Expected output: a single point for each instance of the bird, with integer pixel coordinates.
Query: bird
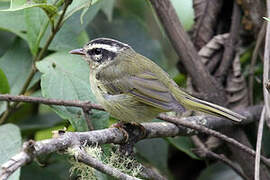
(133, 89)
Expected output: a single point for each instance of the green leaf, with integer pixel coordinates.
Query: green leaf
(184, 144)
(81, 4)
(36, 21)
(99, 119)
(10, 144)
(4, 85)
(154, 151)
(36, 24)
(15, 23)
(66, 77)
(218, 171)
(16, 5)
(17, 64)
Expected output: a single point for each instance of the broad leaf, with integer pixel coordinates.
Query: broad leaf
(16, 5)
(183, 144)
(17, 64)
(36, 23)
(66, 77)
(10, 144)
(15, 23)
(79, 5)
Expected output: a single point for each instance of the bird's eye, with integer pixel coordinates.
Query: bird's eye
(97, 51)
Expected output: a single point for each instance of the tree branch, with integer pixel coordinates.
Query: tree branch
(185, 126)
(113, 135)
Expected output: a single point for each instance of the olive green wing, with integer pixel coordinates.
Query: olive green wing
(146, 87)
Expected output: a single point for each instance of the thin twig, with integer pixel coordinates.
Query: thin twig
(266, 65)
(21, 98)
(259, 146)
(251, 113)
(214, 133)
(82, 156)
(206, 153)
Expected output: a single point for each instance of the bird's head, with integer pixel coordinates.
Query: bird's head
(101, 50)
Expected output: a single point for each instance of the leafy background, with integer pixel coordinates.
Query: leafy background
(24, 29)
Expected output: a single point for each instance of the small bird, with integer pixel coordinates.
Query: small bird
(132, 88)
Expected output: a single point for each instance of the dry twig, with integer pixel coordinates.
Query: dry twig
(259, 146)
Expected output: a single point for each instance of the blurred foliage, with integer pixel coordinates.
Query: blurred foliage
(155, 152)
(25, 27)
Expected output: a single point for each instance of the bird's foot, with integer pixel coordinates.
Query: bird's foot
(121, 127)
(133, 132)
(142, 129)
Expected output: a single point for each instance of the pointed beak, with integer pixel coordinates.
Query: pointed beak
(77, 51)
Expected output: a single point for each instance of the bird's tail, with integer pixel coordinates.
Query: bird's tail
(193, 103)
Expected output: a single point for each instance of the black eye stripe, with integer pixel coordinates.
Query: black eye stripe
(96, 51)
(103, 54)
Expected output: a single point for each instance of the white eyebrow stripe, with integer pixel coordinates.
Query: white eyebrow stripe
(106, 47)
